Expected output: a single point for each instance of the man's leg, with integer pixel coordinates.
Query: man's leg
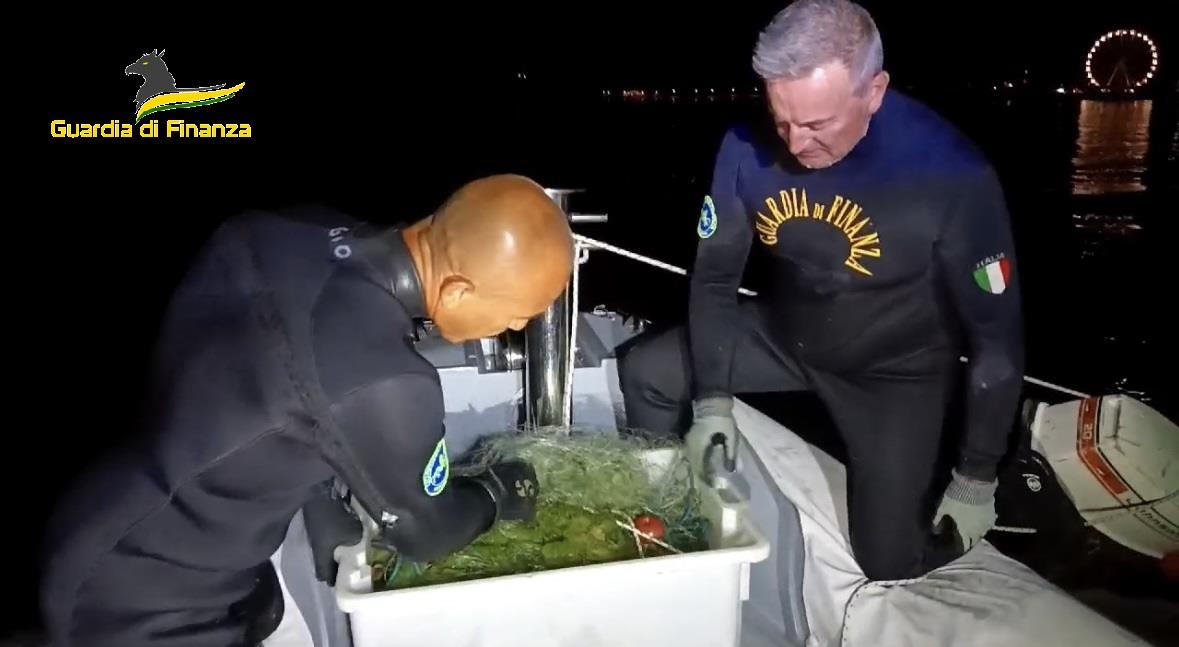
(292, 630)
(655, 377)
(655, 374)
(893, 430)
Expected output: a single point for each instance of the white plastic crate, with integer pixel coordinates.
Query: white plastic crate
(685, 600)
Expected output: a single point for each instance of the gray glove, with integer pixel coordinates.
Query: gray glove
(712, 427)
(970, 504)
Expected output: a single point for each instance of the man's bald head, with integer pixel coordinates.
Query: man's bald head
(496, 254)
(503, 222)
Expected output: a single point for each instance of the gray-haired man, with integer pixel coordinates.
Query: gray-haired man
(891, 255)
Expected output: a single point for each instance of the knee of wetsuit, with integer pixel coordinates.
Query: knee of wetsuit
(655, 360)
(884, 570)
(635, 370)
(262, 610)
(881, 564)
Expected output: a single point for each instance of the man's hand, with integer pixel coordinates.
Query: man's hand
(971, 505)
(330, 524)
(513, 488)
(712, 424)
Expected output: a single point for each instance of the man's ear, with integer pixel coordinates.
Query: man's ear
(876, 91)
(454, 290)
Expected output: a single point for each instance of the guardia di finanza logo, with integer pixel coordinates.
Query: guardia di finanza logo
(159, 93)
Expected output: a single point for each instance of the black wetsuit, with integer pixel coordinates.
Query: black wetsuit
(883, 270)
(286, 359)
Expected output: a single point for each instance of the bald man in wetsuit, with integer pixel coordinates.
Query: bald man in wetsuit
(287, 359)
(890, 255)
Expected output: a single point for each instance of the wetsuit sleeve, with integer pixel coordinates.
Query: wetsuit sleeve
(387, 411)
(977, 258)
(725, 236)
(394, 428)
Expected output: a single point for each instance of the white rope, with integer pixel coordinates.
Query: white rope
(597, 244)
(590, 242)
(1056, 387)
(580, 255)
(1039, 382)
(1015, 530)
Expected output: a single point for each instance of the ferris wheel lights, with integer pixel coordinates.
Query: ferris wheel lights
(1100, 44)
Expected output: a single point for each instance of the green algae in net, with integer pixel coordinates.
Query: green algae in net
(596, 491)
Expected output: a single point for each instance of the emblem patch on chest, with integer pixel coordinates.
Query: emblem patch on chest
(843, 214)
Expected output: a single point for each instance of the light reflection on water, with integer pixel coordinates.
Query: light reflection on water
(1111, 158)
(1113, 138)
(1105, 235)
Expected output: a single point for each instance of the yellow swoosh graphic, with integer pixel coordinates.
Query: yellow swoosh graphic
(188, 97)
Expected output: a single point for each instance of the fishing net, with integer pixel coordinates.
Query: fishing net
(603, 497)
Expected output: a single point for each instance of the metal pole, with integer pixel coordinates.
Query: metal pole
(546, 348)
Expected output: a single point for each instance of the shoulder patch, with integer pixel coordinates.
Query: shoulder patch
(707, 225)
(437, 470)
(993, 273)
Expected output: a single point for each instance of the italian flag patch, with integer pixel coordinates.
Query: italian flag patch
(992, 274)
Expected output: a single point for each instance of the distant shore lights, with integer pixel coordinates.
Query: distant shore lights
(709, 94)
(1123, 39)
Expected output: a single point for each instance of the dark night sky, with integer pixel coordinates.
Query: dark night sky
(973, 40)
(600, 44)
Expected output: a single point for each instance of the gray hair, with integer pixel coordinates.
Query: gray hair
(811, 33)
